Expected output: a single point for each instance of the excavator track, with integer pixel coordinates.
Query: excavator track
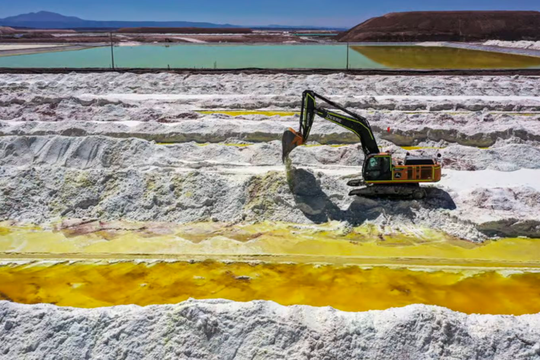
(411, 191)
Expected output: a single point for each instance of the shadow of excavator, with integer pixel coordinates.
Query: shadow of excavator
(318, 207)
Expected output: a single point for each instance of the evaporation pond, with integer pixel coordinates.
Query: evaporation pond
(98, 263)
(427, 57)
(273, 56)
(350, 288)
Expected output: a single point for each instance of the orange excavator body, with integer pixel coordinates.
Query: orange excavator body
(412, 171)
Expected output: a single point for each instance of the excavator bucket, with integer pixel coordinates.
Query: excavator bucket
(291, 139)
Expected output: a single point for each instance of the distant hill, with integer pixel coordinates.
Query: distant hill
(50, 20)
(448, 26)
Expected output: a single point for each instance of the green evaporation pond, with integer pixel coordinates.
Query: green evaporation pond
(273, 56)
(198, 57)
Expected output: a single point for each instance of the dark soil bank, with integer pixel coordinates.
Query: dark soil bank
(448, 26)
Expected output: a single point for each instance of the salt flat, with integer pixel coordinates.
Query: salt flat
(121, 148)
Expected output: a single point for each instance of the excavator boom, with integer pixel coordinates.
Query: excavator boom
(350, 121)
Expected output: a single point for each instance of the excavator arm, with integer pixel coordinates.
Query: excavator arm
(350, 121)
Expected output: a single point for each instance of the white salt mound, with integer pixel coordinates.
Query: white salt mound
(522, 44)
(219, 329)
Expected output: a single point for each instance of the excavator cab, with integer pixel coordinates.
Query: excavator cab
(378, 167)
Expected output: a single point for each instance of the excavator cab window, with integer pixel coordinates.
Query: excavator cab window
(378, 168)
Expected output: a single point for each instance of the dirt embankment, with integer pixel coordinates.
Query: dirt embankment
(185, 30)
(448, 26)
(161, 36)
(44, 39)
(6, 30)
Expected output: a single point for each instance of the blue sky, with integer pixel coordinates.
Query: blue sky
(343, 13)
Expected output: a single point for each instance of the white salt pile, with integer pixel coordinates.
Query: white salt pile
(219, 329)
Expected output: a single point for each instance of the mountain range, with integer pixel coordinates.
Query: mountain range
(51, 20)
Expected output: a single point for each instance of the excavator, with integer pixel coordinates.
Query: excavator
(382, 175)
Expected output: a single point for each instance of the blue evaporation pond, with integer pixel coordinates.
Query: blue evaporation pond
(198, 57)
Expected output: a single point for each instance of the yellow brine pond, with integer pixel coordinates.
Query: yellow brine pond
(93, 264)
(438, 57)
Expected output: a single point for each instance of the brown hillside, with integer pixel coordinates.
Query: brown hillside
(6, 30)
(448, 26)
